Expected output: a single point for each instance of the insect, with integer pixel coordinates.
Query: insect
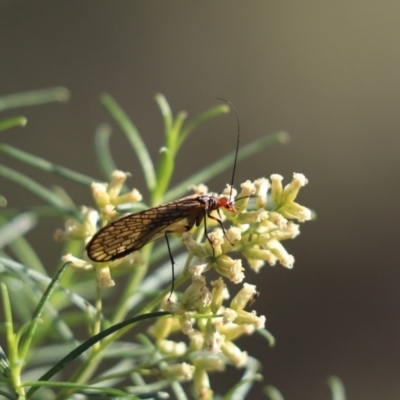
(131, 232)
(254, 297)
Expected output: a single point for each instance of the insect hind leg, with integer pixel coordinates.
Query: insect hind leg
(172, 263)
(205, 230)
(208, 214)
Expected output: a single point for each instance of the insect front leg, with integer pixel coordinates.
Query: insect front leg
(219, 222)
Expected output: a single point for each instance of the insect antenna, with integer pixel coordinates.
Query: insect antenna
(237, 140)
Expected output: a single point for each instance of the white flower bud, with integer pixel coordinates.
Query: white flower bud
(103, 277)
(76, 262)
(171, 348)
(180, 372)
(207, 361)
(291, 191)
(199, 189)
(284, 258)
(276, 189)
(244, 295)
(100, 195)
(295, 211)
(218, 295)
(262, 186)
(229, 315)
(194, 247)
(238, 357)
(230, 268)
(133, 196)
(118, 178)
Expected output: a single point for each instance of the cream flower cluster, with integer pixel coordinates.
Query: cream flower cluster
(265, 218)
(107, 198)
(266, 211)
(267, 214)
(211, 327)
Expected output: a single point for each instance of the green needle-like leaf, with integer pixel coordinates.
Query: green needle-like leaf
(273, 393)
(268, 336)
(225, 163)
(26, 254)
(11, 122)
(34, 97)
(39, 190)
(7, 395)
(28, 274)
(251, 374)
(102, 148)
(164, 173)
(90, 342)
(38, 312)
(212, 113)
(91, 391)
(44, 165)
(4, 364)
(175, 134)
(134, 138)
(337, 388)
(165, 111)
(16, 227)
(43, 211)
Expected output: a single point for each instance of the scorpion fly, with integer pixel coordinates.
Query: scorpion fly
(131, 232)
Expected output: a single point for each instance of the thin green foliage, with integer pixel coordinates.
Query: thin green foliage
(225, 163)
(92, 341)
(3, 201)
(273, 393)
(38, 190)
(134, 138)
(242, 388)
(14, 371)
(34, 278)
(12, 122)
(38, 312)
(90, 390)
(102, 146)
(18, 226)
(337, 388)
(268, 336)
(25, 253)
(44, 165)
(34, 97)
(153, 363)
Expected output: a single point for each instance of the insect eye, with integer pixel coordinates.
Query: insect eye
(223, 202)
(226, 203)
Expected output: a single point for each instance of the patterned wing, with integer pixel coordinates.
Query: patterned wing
(132, 232)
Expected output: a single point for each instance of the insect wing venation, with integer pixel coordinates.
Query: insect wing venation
(133, 231)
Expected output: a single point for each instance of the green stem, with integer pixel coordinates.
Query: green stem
(15, 363)
(133, 284)
(97, 320)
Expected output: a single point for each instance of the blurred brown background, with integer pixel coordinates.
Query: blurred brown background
(328, 72)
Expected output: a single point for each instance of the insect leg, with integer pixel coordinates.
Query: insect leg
(172, 263)
(205, 229)
(220, 224)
